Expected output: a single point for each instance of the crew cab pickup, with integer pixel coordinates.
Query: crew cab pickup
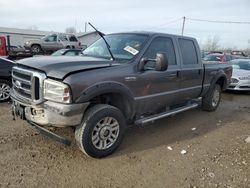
(128, 78)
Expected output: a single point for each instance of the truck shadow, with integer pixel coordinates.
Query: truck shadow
(179, 127)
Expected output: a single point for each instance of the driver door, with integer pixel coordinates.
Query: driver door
(158, 89)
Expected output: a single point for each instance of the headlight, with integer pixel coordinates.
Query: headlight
(56, 91)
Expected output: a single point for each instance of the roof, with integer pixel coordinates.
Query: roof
(151, 33)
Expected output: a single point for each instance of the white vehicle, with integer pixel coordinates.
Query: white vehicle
(241, 75)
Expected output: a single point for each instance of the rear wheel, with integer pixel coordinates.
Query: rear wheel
(4, 90)
(101, 131)
(211, 100)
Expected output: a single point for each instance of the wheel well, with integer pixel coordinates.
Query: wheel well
(222, 82)
(114, 99)
(36, 45)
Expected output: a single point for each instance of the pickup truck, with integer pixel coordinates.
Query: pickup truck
(126, 78)
(52, 43)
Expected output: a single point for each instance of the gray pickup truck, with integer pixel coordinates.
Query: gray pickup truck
(129, 78)
(51, 43)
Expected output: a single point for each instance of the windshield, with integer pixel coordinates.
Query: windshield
(245, 65)
(58, 52)
(122, 46)
(212, 58)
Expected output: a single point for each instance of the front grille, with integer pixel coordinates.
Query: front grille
(27, 84)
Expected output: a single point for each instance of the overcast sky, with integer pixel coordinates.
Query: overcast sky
(134, 15)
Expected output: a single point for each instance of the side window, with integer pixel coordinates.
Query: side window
(161, 44)
(72, 38)
(51, 38)
(188, 52)
(63, 38)
(70, 53)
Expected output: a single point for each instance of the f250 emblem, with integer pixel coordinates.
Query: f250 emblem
(130, 78)
(18, 84)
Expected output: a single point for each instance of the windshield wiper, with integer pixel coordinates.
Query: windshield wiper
(102, 36)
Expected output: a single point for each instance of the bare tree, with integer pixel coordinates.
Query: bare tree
(212, 43)
(70, 30)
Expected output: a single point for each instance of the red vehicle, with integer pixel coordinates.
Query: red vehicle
(3, 46)
(218, 57)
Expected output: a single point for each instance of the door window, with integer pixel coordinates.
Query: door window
(72, 38)
(158, 45)
(52, 38)
(188, 52)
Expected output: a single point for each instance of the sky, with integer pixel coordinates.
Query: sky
(134, 15)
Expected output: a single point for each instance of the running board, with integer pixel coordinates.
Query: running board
(165, 114)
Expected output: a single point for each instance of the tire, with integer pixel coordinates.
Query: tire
(68, 47)
(101, 131)
(211, 100)
(5, 87)
(36, 49)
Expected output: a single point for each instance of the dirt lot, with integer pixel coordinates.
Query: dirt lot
(217, 154)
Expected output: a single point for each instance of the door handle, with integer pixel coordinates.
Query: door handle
(171, 75)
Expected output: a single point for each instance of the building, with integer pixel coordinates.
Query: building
(19, 36)
(87, 38)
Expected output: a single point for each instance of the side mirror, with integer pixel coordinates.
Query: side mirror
(142, 64)
(161, 63)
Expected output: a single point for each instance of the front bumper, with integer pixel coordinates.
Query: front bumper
(51, 113)
(241, 85)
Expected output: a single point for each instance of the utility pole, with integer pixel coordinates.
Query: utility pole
(183, 25)
(86, 25)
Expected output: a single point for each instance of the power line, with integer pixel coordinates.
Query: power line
(217, 21)
(164, 24)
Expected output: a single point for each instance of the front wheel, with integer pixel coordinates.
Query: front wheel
(211, 100)
(36, 49)
(101, 131)
(4, 90)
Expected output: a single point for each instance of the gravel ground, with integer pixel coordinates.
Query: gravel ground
(217, 154)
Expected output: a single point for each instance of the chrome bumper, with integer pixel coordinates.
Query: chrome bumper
(51, 113)
(242, 85)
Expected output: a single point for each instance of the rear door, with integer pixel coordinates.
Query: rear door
(191, 73)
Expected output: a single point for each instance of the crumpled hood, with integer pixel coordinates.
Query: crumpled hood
(60, 66)
(241, 73)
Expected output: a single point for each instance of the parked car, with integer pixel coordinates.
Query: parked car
(238, 53)
(218, 57)
(130, 78)
(53, 42)
(67, 52)
(5, 78)
(241, 75)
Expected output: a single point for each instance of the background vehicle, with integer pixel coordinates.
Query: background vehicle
(53, 42)
(241, 75)
(218, 57)
(135, 78)
(67, 52)
(5, 79)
